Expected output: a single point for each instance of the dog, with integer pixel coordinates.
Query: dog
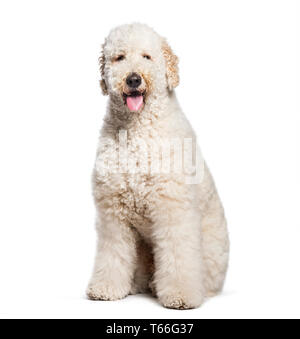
(157, 231)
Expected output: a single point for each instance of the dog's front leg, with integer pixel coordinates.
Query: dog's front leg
(178, 261)
(115, 261)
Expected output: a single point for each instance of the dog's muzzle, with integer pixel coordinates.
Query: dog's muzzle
(134, 97)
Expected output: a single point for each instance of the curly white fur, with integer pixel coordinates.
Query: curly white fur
(155, 231)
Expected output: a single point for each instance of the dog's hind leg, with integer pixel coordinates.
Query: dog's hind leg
(144, 269)
(215, 245)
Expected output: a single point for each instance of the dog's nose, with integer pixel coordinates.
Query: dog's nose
(134, 80)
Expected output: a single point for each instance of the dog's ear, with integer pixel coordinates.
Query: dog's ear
(172, 66)
(102, 67)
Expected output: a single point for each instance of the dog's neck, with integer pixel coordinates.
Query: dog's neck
(156, 109)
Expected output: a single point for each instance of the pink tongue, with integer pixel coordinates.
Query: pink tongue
(135, 103)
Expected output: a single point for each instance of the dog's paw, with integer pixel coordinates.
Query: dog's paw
(105, 292)
(180, 302)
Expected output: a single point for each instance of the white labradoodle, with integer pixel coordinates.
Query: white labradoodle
(156, 230)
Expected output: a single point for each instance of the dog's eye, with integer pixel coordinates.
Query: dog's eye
(120, 58)
(147, 56)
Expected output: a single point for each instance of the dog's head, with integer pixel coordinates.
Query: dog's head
(137, 65)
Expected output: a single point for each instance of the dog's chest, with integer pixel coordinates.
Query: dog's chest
(128, 181)
(135, 201)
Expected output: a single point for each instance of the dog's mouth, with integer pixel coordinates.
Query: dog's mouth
(134, 100)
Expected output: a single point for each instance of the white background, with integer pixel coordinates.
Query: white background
(239, 90)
